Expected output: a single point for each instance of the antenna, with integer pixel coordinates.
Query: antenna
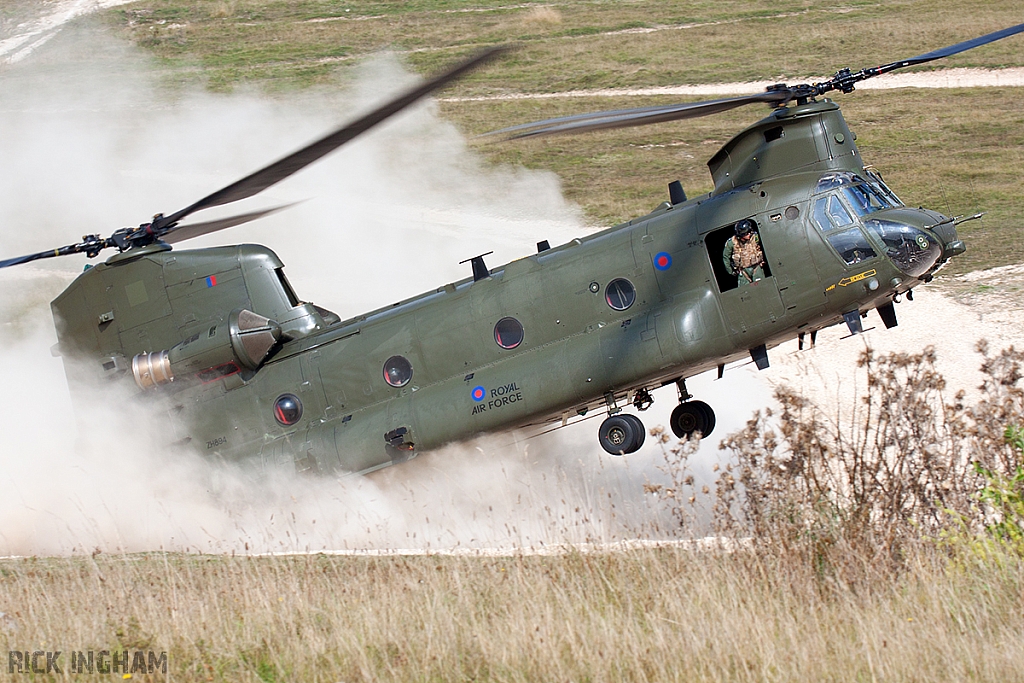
(480, 270)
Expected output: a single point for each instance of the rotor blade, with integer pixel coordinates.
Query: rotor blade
(30, 257)
(281, 169)
(90, 247)
(625, 118)
(954, 49)
(574, 117)
(845, 81)
(180, 233)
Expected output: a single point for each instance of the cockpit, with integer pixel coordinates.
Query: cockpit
(861, 218)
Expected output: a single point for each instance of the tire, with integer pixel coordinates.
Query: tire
(641, 432)
(619, 435)
(709, 418)
(691, 417)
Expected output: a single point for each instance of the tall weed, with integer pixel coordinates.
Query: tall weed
(862, 491)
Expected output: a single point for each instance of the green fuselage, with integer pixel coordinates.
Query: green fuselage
(577, 350)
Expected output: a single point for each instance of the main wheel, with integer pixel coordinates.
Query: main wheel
(621, 434)
(709, 417)
(691, 417)
(641, 432)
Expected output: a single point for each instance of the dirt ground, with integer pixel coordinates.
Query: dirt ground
(951, 314)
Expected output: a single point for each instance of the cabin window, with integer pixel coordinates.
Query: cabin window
(287, 409)
(397, 371)
(851, 245)
(620, 294)
(508, 333)
(829, 212)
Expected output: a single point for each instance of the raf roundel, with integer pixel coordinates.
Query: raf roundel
(663, 260)
(478, 394)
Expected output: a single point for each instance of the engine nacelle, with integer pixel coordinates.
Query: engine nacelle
(225, 348)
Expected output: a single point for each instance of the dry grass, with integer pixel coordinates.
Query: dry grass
(542, 17)
(665, 615)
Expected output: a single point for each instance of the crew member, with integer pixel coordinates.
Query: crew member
(743, 255)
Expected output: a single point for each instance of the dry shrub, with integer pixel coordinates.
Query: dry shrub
(861, 492)
(223, 10)
(543, 16)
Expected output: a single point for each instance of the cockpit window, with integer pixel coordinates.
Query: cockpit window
(829, 212)
(884, 190)
(851, 245)
(910, 248)
(865, 199)
(840, 216)
(836, 179)
(821, 214)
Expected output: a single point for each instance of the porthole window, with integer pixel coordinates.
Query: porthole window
(397, 371)
(508, 333)
(620, 294)
(287, 409)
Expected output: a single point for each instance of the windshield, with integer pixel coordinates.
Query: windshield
(836, 179)
(884, 189)
(865, 199)
(910, 248)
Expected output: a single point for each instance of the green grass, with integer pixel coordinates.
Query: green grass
(570, 45)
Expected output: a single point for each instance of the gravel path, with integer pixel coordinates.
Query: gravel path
(31, 35)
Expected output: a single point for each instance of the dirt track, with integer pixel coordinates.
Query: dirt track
(951, 314)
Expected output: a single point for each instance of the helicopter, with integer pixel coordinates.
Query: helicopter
(239, 367)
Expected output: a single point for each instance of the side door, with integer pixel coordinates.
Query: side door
(753, 309)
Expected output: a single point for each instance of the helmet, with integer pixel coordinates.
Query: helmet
(745, 227)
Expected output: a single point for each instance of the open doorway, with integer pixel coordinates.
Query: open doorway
(716, 244)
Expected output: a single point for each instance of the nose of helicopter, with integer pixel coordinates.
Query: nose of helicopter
(944, 229)
(917, 241)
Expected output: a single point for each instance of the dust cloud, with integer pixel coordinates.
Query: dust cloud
(92, 141)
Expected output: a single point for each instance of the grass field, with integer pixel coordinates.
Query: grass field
(667, 614)
(565, 46)
(955, 151)
(645, 615)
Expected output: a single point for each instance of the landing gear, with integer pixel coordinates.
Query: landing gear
(691, 417)
(621, 434)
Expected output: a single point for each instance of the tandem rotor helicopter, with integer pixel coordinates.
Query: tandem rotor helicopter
(797, 235)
